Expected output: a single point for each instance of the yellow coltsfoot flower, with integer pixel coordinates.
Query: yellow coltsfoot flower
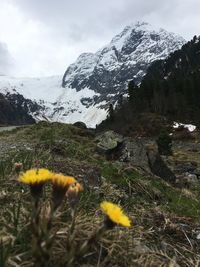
(61, 184)
(63, 181)
(114, 215)
(35, 178)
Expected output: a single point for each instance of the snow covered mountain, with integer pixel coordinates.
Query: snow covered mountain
(94, 80)
(126, 57)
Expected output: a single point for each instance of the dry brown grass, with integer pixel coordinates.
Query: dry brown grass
(155, 239)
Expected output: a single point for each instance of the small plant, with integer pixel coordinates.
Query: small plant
(4, 252)
(164, 143)
(43, 215)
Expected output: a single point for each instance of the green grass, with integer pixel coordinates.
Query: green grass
(143, 190)
(58, 141)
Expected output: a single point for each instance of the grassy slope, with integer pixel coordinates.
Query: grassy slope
(164, 218)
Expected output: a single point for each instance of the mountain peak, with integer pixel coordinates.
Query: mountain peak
(141, 28)
(127, 56)
(141, 25)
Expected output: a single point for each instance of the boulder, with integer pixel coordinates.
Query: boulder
(192, 178)
(80, 124)
(159, 167)
(197, 172)
(108, 142)
(134, 151)
(186, 180)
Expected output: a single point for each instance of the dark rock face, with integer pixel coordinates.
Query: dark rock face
(14, 110)
(159, 167)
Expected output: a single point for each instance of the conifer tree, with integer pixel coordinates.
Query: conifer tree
(111, 112)
(131, 91)
(164, 143)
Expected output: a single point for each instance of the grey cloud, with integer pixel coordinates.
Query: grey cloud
(75, 26)
(91, 18)
(6, 62)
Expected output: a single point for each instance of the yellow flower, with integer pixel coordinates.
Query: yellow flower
(61, 184)
(36, 179)
(35, 176)
(62, 181)
(115, 214)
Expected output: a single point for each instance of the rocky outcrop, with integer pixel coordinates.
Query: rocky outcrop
(134, 151)
(14, 110)
(109, 143)
(184, 167)
(159, 167)
(186, 171)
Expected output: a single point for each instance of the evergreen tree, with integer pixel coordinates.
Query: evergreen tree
(111, 113)
(164, 143)
(120, 101)
(131, 91)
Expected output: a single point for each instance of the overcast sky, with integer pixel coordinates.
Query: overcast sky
(42, 37)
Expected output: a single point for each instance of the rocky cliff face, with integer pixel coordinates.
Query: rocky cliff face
(14, 110)
(126, 57)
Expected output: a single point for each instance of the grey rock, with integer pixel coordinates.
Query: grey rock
(186, 180)
(191, 177)
(134, 151)
(159, 167)
(108, 141)
(182, 167)
(197, 172)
